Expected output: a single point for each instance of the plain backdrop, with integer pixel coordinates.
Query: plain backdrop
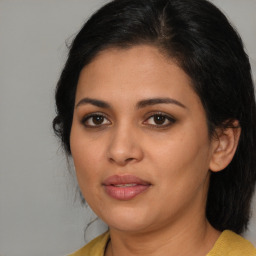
(40, 211)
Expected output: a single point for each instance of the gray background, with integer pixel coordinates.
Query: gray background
(40, 213)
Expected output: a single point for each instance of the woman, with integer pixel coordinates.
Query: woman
(156, 107)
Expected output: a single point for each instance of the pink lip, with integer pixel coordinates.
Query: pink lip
(133, 186)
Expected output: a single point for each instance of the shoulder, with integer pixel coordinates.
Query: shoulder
(231, 244)
(94, 248)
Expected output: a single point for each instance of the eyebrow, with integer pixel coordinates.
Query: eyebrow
(140, 104)
(155, 101)
(97, 103)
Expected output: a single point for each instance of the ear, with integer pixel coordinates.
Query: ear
(224, 146)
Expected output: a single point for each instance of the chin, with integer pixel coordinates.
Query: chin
(128, 219)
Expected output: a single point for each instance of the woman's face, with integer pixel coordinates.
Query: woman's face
(139, 141)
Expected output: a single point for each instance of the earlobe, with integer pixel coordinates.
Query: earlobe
(224, 146)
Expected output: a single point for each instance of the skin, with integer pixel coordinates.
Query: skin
(175, 157)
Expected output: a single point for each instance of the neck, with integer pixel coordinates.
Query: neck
(194, 238)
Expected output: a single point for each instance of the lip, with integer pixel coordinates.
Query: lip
(125, 187)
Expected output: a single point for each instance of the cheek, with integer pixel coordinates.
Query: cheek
(88, 165)
(86, 156)
(184, 157)
(182, 173)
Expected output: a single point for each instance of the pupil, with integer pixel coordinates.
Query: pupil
(159, 119)
(97, 119)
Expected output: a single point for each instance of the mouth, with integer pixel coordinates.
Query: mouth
(125, 187)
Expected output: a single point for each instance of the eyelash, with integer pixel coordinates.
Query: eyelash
(90, 116)
(167, 118)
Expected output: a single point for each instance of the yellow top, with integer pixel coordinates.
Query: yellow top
(228, 244)
(231, 244)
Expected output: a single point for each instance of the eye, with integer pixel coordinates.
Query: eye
(95, 120)
(160, 120)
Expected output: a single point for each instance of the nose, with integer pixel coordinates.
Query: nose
(124, 146)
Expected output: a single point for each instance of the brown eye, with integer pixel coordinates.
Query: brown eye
(160, 120)
(95, 120)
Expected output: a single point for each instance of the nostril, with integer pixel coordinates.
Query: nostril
(122, 162)
(129, 159)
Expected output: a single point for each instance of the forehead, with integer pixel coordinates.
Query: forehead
(139, 71)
